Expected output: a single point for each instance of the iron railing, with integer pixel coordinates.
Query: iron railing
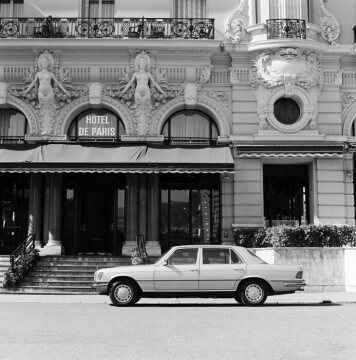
(25, 247)
(286, 29)
(162, 28)
(190, 141)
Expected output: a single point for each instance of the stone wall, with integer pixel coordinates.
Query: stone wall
(325, 269)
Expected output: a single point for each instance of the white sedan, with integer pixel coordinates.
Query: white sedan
(200, 271)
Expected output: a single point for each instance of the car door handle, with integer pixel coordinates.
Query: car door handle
(195, 270)
(239, 269)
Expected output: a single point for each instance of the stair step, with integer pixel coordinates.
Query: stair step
(66, 274)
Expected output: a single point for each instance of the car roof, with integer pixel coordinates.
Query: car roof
(206, 246)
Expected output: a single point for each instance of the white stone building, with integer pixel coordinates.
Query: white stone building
(176, 119)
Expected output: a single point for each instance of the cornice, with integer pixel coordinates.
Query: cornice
(323, 48)
(102, 43)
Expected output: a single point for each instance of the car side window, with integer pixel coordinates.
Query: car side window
(220, 256)
(234, 258)
(183, 257)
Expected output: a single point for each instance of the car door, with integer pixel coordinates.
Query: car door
(180, 271)
(220, 269)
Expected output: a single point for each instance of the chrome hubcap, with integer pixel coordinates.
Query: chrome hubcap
(123, 293)
(254, 293)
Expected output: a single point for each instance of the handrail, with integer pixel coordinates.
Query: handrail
(25, 247)
(121, 28)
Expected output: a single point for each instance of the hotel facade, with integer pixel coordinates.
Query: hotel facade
(178, 120)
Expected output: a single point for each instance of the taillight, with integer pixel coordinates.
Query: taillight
(299, 275)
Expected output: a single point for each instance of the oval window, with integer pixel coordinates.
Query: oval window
(286, 111)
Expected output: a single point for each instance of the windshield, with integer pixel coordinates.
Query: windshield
(256, 258)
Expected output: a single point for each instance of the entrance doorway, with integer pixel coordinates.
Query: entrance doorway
(14, 203)
(94, 211)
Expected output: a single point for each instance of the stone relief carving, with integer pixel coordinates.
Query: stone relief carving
(222, 98)
(237, 22)
(142, 91)
(204, 75)
(329, 26)
(348, 99)
(288, 67)
(307, 99)
(47, 90)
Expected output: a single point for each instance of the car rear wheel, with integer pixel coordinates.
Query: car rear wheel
(253, 293)
(124, 293)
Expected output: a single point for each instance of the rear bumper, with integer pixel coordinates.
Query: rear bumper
(295, 284)
(100, 288)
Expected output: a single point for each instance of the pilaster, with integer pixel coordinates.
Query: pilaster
(54, 244)
(152, 244)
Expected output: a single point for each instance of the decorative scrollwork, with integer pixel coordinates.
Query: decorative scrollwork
(8, 28)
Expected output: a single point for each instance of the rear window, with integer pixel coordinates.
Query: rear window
(256, 258)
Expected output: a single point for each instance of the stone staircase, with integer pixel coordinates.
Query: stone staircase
(65, 274)
(4, 266)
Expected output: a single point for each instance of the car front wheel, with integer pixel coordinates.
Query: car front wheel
(253, 293)
(124, 293)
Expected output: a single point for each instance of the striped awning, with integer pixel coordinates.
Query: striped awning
(80, 158)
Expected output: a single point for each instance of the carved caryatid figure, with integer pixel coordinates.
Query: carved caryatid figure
(143, 79)
(45, 77)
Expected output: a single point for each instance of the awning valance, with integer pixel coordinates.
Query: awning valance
(114, 159)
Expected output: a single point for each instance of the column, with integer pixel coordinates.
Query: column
(152, 244)
(131, 214)
(35, 209)
(54, 244)
(142, 207)
(227, 209)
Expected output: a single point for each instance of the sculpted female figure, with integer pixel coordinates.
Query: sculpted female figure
(143, 78)
(45, 76)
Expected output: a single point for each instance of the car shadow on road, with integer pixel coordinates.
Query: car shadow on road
(237, 305)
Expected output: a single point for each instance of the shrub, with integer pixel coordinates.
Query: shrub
(296, 236)
(25, 262)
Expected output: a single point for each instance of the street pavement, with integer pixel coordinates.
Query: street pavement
(304, 326)
(296, 298)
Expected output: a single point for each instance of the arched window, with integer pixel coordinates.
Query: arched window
(190, 127)
(12, 126)
(96, 125)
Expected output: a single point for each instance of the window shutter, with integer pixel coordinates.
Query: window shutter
(189, 8)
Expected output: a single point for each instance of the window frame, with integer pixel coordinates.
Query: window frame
(230, 251)
(92, 139)
(12, 5)
(190, 140)
(9, 139)
(184, 249)
(85, 9)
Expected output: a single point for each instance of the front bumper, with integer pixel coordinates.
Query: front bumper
(100, 288)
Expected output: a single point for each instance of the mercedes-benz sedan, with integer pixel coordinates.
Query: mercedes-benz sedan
(200, 271)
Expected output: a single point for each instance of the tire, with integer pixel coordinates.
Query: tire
(238, 299)
(124, 293)
(253, 292)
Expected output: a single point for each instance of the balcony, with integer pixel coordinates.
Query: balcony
(120, 28)
(286, 29)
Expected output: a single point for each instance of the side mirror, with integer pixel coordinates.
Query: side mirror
(165, 262)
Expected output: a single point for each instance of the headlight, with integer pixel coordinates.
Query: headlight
(299, 275)
(98, 275)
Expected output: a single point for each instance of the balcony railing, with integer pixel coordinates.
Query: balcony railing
(142, 28)
(286, 29)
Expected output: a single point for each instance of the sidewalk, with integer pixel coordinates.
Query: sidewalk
(297, 298)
